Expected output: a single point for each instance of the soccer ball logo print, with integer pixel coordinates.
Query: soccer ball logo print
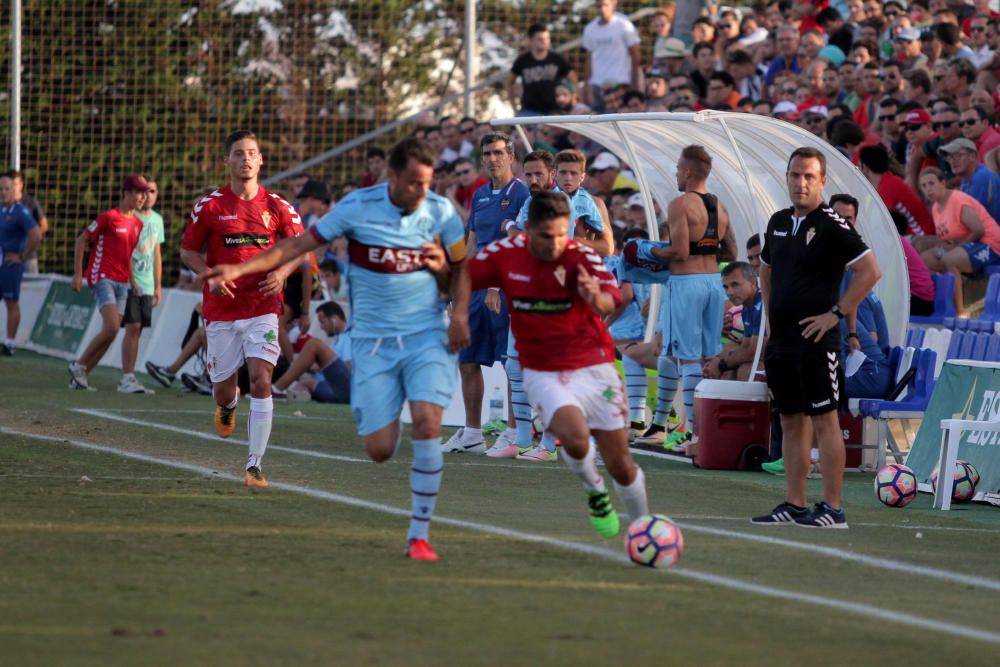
(654, 540)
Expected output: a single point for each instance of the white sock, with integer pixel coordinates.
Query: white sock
(633, 496)
(128, 376)
(585, 469)
(259, 425)
(814, 455)
(470, 434)
(9, 342)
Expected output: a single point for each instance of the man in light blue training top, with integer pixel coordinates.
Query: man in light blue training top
(494, 208)
(399, 346)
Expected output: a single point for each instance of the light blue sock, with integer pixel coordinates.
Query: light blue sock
(690, 377)
(522, 410)
(549, 441)
(636, 384)
(666, 388)
(425, 482)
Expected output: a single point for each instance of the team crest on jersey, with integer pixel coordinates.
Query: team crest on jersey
(504, 203)
(810, 234)
(265, 217)
(560, 274)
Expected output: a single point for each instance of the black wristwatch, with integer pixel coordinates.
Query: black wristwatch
(837, 311)
(852, 334)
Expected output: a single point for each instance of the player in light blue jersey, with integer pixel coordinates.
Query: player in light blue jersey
(399, 346)
(494, 206)
(627, 327)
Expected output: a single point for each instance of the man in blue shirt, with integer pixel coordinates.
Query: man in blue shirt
(494, 208)
(399, 347)
(19, 237)
(736, 359)
(978, 182)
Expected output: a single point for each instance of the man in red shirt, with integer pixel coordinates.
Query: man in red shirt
(234, 224)
(895, 193)
(112, 237)
(467, 181)
(975, 126)
(557, 292)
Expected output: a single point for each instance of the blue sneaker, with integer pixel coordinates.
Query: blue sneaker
(785, 514)
(824, 516)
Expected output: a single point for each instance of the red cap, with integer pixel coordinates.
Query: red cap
(917, 116)
(135, 183)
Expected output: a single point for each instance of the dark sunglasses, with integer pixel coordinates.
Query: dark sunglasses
(978, 28)
(674, 89)
(814, 121)
(464, 172)
(887, 118)
(968, 122)
(941, 124)
(788, 91)
(725, 26)
(468, 130)
(913, 127)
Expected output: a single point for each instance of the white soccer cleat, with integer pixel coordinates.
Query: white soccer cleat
(130, 385)
(457, 444)
(502, 451)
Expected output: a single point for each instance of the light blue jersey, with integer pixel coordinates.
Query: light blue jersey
(584, 211)
(631, 324)
(391, 292)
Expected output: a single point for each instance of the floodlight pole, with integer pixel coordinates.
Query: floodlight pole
(471, 57)
(15, 84)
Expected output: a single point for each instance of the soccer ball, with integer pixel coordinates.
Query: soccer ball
(654, 540)
(965, 480)
(895, 485)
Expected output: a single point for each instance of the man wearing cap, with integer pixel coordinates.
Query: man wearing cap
(605, 176)
(906, 45)
(977, 181)
(20, 235)
(112, 238)
(671, 54)
(539, 69)
(613, 55)
(656, 87)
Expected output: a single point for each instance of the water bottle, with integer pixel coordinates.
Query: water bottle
(496, 404)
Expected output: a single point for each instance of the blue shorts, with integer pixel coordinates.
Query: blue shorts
(10, 281)
(980, 256)
(387, 371)
(692, 311)
(488, 332)
(335, 387)
(111, 291)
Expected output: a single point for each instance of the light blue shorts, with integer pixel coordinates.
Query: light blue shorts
(111, 291)
(691, 315)
(386, 371)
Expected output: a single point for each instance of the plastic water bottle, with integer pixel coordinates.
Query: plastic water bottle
(496, 404)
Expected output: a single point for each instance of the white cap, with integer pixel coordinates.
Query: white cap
(635, 200)
(785, 107)
(604, 161)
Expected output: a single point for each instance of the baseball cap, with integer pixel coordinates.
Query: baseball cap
(818, 110)
(567, 84)
(917, 116)
(670, 48)
(316, 190)
(832, 54)
(784, 107)
(656, 73)
(957, 146)
(908, 35)
(635, 200)
(135, 183)
(604, 161)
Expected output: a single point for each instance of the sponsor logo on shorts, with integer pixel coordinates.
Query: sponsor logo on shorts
(821, 403)
(271, 336)
(246, 240)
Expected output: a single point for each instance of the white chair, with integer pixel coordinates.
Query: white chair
(951, 433)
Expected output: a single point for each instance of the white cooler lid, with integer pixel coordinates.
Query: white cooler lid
(731, 390)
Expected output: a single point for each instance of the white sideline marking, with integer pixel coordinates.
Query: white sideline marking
(214, 438)
(612, 555)
(164, 411)
(870, 561)
(864, 559)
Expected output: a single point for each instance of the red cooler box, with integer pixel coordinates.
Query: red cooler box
(734, 424)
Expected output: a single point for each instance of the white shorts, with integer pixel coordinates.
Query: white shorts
(596, 390)
(230, 343)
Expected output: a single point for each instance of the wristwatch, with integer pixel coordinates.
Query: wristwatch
(837, 311)
(852, 334)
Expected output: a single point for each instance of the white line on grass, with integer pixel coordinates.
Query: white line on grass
(205, 413)
(612, 555)
(871, 561)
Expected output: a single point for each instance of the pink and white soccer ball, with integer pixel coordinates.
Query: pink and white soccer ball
(654, 540)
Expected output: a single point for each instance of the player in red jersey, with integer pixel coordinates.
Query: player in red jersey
(112, 237)
(232, 225)
(557, 292)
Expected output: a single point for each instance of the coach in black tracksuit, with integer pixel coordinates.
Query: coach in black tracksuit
(806, 248)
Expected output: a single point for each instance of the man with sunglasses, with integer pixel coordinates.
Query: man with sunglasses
(895, 193)
(889, 129)
(468, 180)
(976, 127)
(982, 54)
(906, 44)
(977, 181)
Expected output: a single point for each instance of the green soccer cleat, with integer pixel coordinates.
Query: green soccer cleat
(602, 514)
(680, 436)
(774, 467)
(495, 426)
